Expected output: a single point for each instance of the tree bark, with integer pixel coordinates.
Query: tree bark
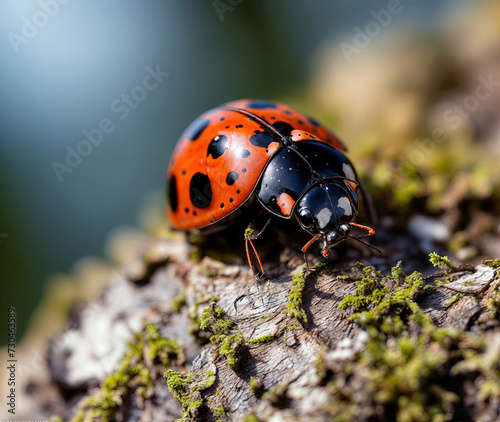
(279, 353)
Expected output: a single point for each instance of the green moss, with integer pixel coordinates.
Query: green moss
(494, 301)
(493, 263)
(485, 367)
(195, 254)
(403, 378)
(80, 416)
(294, 308)
(132, 371)
(386, 303)
(194, 320)
(490, 389)
(178, 302)
(255, 386)
(229, 346)
(209, 271)
(226, 335)
(178, 384)
(183, 388)
(277, 396)
(213, 319)
(455, 299)
(360, 266)
(249, 233)
(368, 289)
(409, 367)
(210, 378)
(320, 363)
(177, 381)
(261, 340)
(494, 304)
(251, 418)
(323, 268)
(219, 411)
(265, 316)
(162, 349)
(440, 261)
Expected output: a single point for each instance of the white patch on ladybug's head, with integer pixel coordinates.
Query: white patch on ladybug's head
(348, 171)
(324, 217)
(345, 205)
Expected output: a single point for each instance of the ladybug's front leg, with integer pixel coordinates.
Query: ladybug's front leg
(251, 235)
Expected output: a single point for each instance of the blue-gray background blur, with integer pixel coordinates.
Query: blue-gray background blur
(64, 79)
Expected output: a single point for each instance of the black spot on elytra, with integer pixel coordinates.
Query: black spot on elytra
(238, 126)
(231, 178)
(172, 193)
(261, 140)
(243, 153)
(217, 146)
(231, 200)
(222, 205)
(196, 128)
(264, 138)
(283, 128)
(186, 209)
(200, 190)
(238, 191)
(260, 104)
(312, 121)
(244, 170)
(222, 119)
(183, 172)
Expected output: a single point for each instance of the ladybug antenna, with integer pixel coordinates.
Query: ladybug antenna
(258, 119)
(366, 244)
(370, 231)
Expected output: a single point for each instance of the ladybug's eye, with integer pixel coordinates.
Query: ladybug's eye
(306, 218)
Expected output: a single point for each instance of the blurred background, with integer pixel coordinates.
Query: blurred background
(96, 94)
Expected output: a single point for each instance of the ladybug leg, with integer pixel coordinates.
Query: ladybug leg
(371, 232)
(247, 241)
(249, 236)
(304, 249)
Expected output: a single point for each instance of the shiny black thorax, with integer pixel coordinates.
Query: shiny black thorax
(307, 167)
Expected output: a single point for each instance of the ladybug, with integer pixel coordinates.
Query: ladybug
(254, 149)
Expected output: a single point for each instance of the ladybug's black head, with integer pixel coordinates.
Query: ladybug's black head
(326, 211)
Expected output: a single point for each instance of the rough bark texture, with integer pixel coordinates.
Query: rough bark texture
(270, 362)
